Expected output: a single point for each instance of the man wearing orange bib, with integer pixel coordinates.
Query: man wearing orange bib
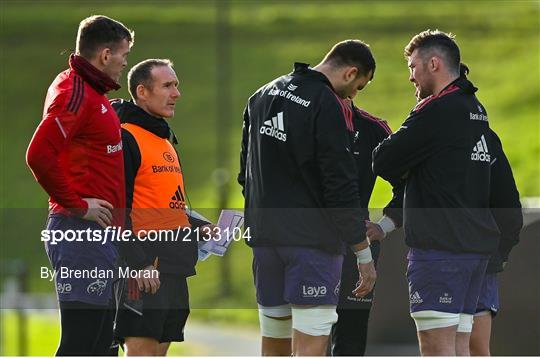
(154, 306)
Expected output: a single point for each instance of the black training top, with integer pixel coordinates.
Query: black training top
(297, 170)
(444, 149)
(369, 131)
(505, 205)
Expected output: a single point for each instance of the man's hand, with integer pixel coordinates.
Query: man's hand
(366, 270)
(374, 231)
(98, 211)
(368, 276)
(148, 285)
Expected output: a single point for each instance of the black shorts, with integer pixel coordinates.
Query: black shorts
(161, 316)
(87, 330)
(349, 333)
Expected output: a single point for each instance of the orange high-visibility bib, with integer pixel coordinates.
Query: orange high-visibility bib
(158, 196)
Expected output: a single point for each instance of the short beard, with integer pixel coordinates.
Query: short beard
(421, 94)
(341, 92)
(426, 90)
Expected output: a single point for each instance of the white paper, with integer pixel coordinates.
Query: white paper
(228, 221)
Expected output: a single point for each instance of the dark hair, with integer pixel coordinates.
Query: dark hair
(97, 32)
(463, 70)
(352, 53)
(443, 44)
(141, 74)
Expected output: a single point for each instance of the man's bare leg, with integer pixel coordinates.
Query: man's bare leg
(481, 334)
(276, 347)
(277, 341)
(163, 348)
(306, 345)
(462, 344)
(438, 341)
(141, 346)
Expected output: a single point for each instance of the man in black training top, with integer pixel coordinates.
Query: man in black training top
(349, 333)
(444, 150)
(302, 202)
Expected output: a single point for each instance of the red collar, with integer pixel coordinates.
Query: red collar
(101, 82)
(425, 101)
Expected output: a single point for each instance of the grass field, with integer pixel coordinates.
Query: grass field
(499, 41)
(43, 331)
(43, 335)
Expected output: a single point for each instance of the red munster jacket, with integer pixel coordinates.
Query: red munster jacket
(76, 151)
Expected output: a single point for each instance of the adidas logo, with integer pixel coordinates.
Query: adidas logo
(274, 128)
(291, 87)
(480, 151)
(178, 200)
(415, 298)
(103, 109)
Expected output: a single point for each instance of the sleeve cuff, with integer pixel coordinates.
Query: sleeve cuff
(387, 224)
(363, 256)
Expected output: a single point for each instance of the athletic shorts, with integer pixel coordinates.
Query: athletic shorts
(162, 315)
(444, 281)
(86, 330)
(489, 295)
(350, 280)
(85, 270)
(296, 275)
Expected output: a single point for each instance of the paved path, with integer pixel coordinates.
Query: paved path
(205, 339)
(220, 340)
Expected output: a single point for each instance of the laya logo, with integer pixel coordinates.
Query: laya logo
(274, 128)
(313, 291)
(168, 157)
(64, 288)
(480, 151)
(178, 200)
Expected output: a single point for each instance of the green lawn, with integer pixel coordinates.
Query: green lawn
(499, 41)
(43, 334)
(43, 330)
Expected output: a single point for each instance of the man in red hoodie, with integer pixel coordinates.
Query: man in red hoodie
(76, 156)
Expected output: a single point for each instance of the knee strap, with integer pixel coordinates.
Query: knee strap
(314, 321)
(275, 322)
(465, 323)
(425, 320)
